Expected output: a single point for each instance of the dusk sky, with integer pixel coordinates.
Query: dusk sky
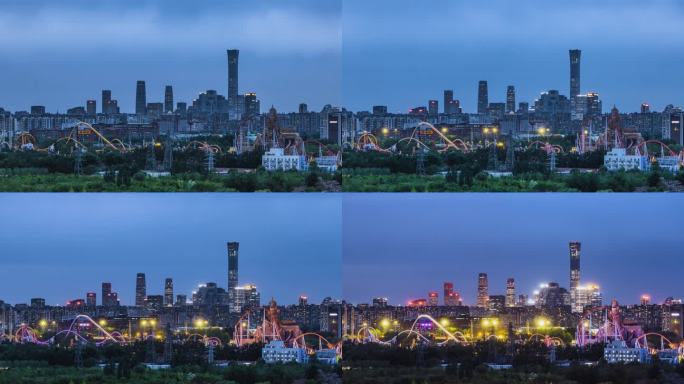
(403, 245)
(59, 54)
(354, 53)
(401, 53)
(58, 246)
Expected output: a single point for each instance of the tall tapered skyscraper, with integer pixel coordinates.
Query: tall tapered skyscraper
(575, 56)
(168, 99)
(140, 98)
(482, 97)
(233, 247)
(233, 80)
(575, 248)
(140, 290)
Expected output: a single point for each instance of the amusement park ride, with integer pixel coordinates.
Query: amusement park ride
(273, 136)
(83, 330)
(426, 137)
(79, 137)
(272, 329)
(615, 136)
(600, 325)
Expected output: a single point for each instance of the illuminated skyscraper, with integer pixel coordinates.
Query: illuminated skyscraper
(510, 292)
(91, 299)
(433, 107)
(233, 55)
(482, 290)
(575, 56)
(140, 290)
(448, 100)
(233, 247)
(168, 99)
(575, 248)
(510, 99)
(168, 292)
(91, 107)
(448, 291)
(482, 97)
(433, 299)
(106, 293)
(140, 98)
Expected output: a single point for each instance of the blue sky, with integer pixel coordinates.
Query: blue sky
(403, 245)
(356, 53)
(58, 246)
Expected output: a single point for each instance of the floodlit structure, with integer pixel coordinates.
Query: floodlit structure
(276, 160)
(276, 352)
(617, 352)
(618, 159)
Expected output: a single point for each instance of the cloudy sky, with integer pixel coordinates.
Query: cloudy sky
(357, 53)
(59, 246)
(403, 245)
(59, 54)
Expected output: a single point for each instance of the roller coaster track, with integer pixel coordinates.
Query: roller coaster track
(26, 334)
(368, 141)
(206, 147)
(548, 340)
(25, 138)
(207, 340)
(548, 147)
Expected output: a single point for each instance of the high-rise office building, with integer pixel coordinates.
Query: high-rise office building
(140, 98)
(510, 99)
(106, 101)
(140, 290)
(448, 100)
(233, 80)
(181, 300)
(433, 107)
(303, 300)
(233, 247)
(252, 107)
(91, 299)
(448, 291)
(106, 293)
(303, 108)
(510, 292)
(482, 97)
(575, 250)
(168, 99)
(575, 56)
(482, 290)
(168, 292)
(433, 299)
(91, 107)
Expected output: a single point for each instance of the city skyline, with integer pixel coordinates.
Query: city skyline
(627, 56)
(326, 53)
(617, 247)
(289, 51)
(162, 236)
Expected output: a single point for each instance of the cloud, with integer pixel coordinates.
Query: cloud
(158, 27)
(512, 23)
